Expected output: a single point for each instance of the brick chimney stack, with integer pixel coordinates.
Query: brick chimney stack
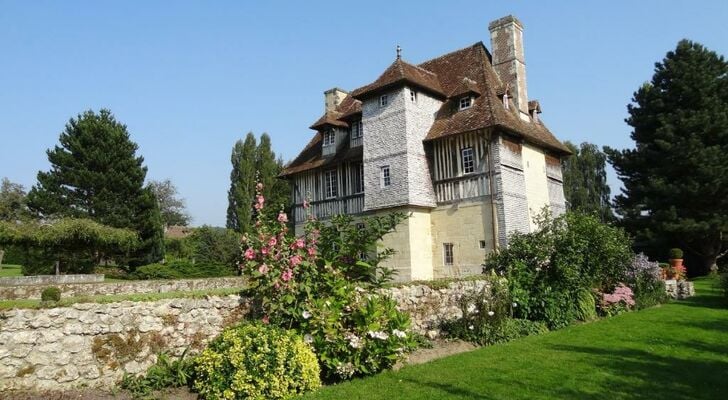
(506, 41)
(332, 98)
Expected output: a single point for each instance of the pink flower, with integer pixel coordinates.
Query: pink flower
(257, 206)
(311, 251)
(264, 251)
(260, 199)
(265, 319)
(295, 260)
(272, 242)
(287, 275)
(263, 269)
(306, 204)
(282, 218)
(300, 243)
(259, 186)
(249, 254)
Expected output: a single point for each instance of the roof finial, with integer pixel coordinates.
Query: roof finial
(399, 52)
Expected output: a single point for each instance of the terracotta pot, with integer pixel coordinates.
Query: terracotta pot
(676, 263)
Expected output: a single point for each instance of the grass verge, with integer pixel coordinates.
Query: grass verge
(7, 270)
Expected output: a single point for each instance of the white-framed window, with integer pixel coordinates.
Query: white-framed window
(506, 104)
(465, 102)
(329, 137)
(331, 184)
(447, 253)
(385, 178)
(481, 244)
(358, 178)
(383, 100)
(413, 96)
(357, 129)
(468, 161)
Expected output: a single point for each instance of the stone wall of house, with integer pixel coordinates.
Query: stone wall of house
(129, 287)
(93, 345)
(510, 189)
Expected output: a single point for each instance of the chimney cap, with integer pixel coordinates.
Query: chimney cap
(507, 20)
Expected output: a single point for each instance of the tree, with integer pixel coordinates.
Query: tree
(242, 185)
(585, 181)
(171, 207)
(276, 191)
(13, 202)
(675, 180)
(96, 174)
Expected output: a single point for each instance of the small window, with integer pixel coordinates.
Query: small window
(468, 162)
(447, 253)
(466, 102)
(482, 244)
(383, 100)
(329, 138)
(360, 226)
(357, 130)
(506, 104)
(385, 178)
(413, 96)
(331, 184)
(358, 178)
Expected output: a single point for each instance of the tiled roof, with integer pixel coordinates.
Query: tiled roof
(468, 70)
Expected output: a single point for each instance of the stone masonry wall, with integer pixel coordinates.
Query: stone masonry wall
(50, 279)
(93, 345)
(130, 287)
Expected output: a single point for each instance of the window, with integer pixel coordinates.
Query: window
(466, 102)
(385, 178)
(329, 138)
(357, 129)
(413, 96)
(506, 104)
(331, 184)
(383, 100)
(358, 178)
(447, 253)
(468, 162)
(482, 244)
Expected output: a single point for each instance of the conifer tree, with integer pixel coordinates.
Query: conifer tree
(585, 181)
(242, 185)
(95, 173)
(275, 190)
(675, 180)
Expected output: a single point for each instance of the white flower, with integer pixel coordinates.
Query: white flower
(491, 313)
(398, 333)
(538, 269)
(515, 305)
(471, 327)
(378, 335)
(306, 314)
(471, 308)
(307, 338)
(354, 341)
(360, 290)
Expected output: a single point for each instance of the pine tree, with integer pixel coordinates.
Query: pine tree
(242, 185)
(585, 181)
(275, 190)
(96, 174)
(675, 181)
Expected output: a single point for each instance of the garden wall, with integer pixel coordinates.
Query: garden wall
(50, 279)
(128, 287)
(89, 344)
(679, 289)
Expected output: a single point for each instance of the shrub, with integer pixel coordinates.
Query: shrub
(181, 269)
(252, 361)
(214, 246)
(675, 254)
(165, 373)
(617, 302)
(645, 279)
(548, 268)
(586, 306)
(51, 294)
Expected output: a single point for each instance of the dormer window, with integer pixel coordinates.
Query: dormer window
(329, 138)
(383, 100)
(465, 103)
(506, 104)
(413, 96)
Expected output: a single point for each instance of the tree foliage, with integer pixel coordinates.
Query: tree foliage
(13, 202)
(585, 181)
(96, 174)
(675, 181)
(171, 206)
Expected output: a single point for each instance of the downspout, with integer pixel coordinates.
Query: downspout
(494, 214)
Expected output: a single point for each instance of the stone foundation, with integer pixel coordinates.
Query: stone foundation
(679, 289)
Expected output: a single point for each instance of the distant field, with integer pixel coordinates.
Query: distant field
(10, 270)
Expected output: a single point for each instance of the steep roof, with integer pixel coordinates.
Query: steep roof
(450, 76)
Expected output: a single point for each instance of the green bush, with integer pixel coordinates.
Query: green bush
(676, 254)
(181, 269)
(213, 246)
(644, 277)
(548, 268)
(253, 361)
(51, 294)
(165, 373)
(586, 305)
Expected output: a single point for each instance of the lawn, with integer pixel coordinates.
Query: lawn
(10, 270)
(675, 351)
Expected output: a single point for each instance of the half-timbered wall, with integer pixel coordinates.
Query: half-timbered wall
(452, 182)
(312, 187)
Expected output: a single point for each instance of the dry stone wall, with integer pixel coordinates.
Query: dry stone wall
(93, 345)
(130, 287)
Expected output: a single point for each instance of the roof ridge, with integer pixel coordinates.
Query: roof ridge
(420, 68)
(479, 42)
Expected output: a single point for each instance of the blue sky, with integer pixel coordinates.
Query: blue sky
(190, 78)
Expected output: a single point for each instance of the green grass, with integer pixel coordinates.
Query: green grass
(675, 351)
(10, 304)
(10, 270)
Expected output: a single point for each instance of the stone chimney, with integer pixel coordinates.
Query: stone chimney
(332, 98)
(506, 42)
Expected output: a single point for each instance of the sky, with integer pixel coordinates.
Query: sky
(189, 78)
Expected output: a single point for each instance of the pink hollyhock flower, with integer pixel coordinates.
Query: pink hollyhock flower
(272, 242)
(263, 269)
(287, 275)
(259, 186)
(249, 254)
(282, 218)
(260, 199)
(277, 285)
(311, 251)
(265, 319)
(295, 260)
(300, 243)
(306, 204)
(264, 251)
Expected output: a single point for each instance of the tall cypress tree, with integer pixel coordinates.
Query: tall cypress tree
(275, 190)
(95, 173)
(585, 181)
(675, 180)
(242, 185)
